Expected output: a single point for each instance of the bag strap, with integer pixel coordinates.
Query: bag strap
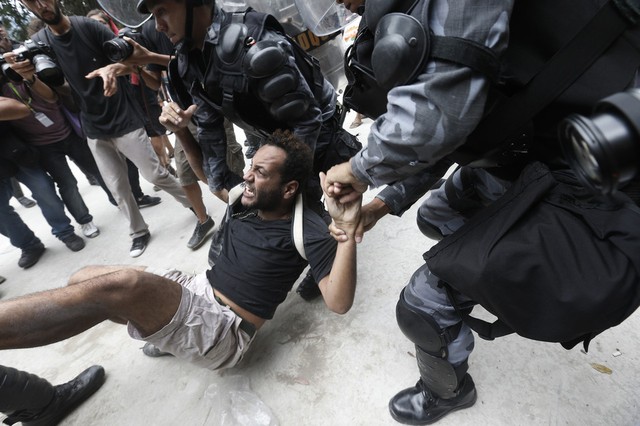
(297, 221)
(297, 227)
(485, 329)
(564, 68)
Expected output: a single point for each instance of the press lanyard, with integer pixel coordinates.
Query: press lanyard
(40, 116)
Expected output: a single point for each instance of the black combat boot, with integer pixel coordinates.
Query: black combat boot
(419, 406)
(33, 401)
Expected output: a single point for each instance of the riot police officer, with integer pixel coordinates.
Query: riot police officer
(428, 109)
(242, 66)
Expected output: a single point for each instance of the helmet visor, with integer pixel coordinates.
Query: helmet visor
(125, 12)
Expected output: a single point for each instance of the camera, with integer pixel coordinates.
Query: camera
(604, 148)
(118, 49)
(41, 56)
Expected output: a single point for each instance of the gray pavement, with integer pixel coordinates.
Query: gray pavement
(308, 366)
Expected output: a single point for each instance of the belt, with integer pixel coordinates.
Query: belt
(245, 325)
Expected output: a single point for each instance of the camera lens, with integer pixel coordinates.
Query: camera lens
(604, 149)
(117, 49)
(47, 70)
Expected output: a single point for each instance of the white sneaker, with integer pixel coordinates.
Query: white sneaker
(90, 230)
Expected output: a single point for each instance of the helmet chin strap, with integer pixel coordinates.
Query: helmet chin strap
(187, 43)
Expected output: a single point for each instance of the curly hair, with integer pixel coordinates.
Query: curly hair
(299, 162)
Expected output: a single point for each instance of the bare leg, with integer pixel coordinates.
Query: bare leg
(146, 300)
(95, 271)
(167, 145)
(194, 195)
(159, 147)
(193, 152)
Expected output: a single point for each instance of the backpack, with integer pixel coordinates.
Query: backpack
(551, 260)
(556, 283)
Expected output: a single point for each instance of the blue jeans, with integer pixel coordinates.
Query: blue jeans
(54, 161)
(41, 186)
(11, 225)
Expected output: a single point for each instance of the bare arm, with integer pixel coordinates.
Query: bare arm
(142, 56)
(338, 288)
(109, 75)
(12, 109)
(151, 78)
(27, 71)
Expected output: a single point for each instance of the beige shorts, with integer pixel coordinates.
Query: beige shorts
(186, 175)
(202, 331)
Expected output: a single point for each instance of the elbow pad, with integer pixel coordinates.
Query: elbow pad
(275, 82)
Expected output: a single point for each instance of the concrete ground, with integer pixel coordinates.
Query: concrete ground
(308, 366)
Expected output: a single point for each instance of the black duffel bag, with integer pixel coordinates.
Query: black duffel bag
(549, 259)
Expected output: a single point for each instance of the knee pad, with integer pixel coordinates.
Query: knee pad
(427, 229)
(422, 330)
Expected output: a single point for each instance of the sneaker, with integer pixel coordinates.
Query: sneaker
(308, 288)
(66, 398)
(26, 202)
(149, 349)
(139, 245)
(31, 256)
(201, 233)
(147, 201)
(73, 242)
(90, 230)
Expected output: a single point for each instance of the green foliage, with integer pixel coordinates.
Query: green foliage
(15, 17)
(79, 7)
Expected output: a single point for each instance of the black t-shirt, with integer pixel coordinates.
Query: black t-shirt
(259, 262)
(78, 52)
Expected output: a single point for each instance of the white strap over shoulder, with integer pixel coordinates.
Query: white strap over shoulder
(235, 193)
(298, 227)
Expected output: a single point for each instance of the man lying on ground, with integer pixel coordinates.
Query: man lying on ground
(257, 267)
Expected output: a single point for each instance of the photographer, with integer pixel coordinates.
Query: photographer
(188, 155)
(16, 160)
(47, 129)
(110, 118)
